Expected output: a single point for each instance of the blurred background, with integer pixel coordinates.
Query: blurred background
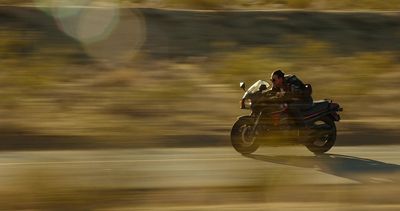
(97, 69)
(134, 74)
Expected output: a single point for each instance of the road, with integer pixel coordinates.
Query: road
(275, 178)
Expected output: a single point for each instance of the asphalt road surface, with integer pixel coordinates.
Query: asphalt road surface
(273, 178)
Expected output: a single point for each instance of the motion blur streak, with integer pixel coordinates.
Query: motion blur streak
(110, 107)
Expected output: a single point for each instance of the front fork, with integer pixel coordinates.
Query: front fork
(275, 118)
(254, 128)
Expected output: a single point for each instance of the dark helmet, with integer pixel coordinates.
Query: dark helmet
(279, 73)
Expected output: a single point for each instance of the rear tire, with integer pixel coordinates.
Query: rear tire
(241, 138)
(322, 144)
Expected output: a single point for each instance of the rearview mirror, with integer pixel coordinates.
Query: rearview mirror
(243, 86)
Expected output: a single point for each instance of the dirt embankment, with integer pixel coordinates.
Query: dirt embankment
(174, 33)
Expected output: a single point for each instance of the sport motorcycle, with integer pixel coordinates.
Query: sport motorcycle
(270, 123)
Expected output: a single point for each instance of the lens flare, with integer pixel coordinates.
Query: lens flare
(107, 32)
(119, 43)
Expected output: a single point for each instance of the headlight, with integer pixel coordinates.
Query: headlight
(246, 103)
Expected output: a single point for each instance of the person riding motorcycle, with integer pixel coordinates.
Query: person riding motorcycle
(291, 90)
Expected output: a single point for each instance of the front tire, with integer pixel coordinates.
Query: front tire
(321, 144)
(241, 137)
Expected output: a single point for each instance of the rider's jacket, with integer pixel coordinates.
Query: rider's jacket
(294, 90)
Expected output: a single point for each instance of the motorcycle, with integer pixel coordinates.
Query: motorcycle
(270, 122)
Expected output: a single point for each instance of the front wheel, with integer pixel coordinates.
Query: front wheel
(324, 141)
(241, 137)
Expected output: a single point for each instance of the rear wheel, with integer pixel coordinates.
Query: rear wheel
(324, 141)
(242, 139)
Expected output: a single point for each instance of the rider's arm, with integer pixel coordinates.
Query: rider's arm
(296, 89)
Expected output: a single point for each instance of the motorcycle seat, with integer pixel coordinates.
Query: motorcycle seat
(317, 106)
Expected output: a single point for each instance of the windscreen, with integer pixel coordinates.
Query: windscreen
(256, 87)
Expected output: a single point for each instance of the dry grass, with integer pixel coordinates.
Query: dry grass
(184, 81)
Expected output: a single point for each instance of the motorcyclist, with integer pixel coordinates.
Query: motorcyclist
(291, 90)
